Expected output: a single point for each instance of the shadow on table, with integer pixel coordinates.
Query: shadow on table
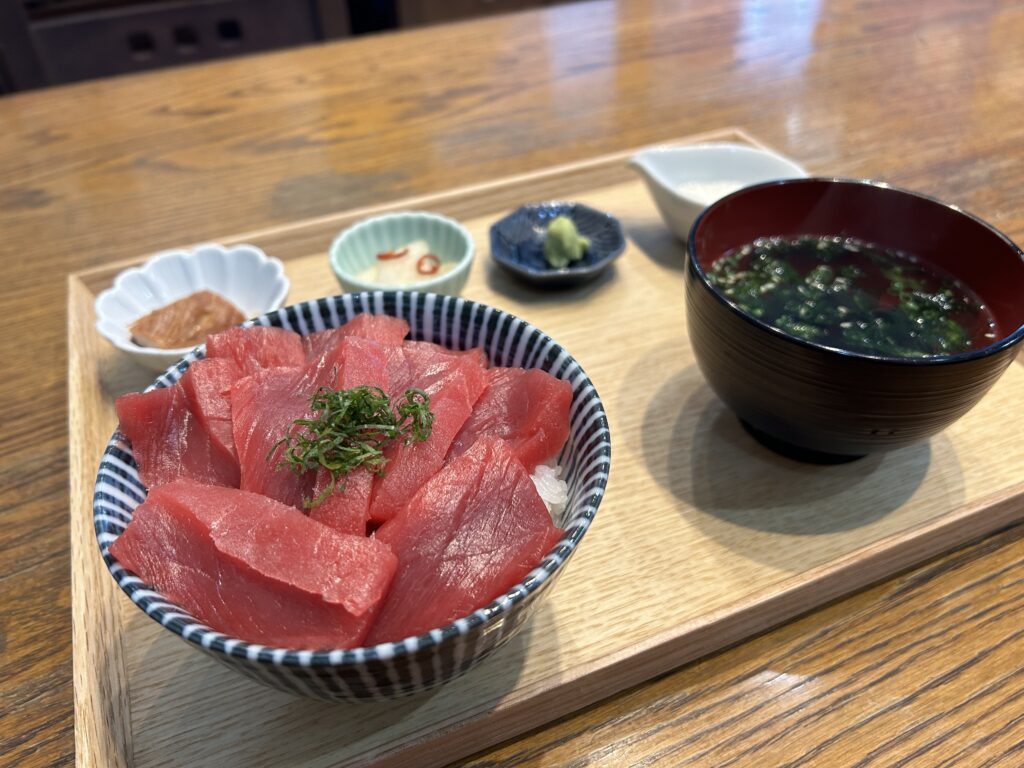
(120, 373)
(210, 715)
(745, 496)
(657, 242)
(500, 281)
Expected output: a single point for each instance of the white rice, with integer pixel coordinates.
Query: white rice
(552, 489)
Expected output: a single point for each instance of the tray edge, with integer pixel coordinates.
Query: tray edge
(771, 607)
(103, 736)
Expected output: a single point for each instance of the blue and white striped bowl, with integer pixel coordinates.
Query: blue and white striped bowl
(415, 664)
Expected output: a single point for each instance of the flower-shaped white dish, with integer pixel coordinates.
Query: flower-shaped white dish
(242, 274)
(684, 180)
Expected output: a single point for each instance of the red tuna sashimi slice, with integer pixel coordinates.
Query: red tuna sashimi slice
(383, 329)
(431, 365)
(256, 569)
(207, 385)
(263, 409)
(454, 384)
(265, 405)
(399, 372)
(423, 351)
(361, 362)
(471, 533)
(529, 409)
(257, 347)
(358, 362)
(169, 442)
(346, 510)
(425, 365)
(281, 543)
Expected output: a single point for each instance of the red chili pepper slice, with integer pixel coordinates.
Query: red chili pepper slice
(428, 264)
(388, 255)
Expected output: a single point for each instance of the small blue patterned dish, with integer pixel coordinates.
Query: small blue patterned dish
(414, 664)
(517, 243)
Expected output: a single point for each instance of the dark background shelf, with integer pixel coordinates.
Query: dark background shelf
(49, 42)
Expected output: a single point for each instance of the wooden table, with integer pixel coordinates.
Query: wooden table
(920, 670)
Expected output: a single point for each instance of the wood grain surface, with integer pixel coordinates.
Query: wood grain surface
(926, 95)
(764, 538)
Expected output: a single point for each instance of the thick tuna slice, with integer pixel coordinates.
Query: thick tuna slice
(399, 372)
(386, 330)
(430, 365)
(263, 409)
(359, 362)
(256, 569)
(471, 533)
(257, 347)
(454, 384)
(207, 385)
(422, 351)
(529, 409)
(346, 509)
(425, 365)
(169, 442)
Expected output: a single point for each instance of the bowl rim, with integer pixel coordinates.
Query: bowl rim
(553, 274)
(156, 353)
(172, 617)
(1009, 340)
(347, 278)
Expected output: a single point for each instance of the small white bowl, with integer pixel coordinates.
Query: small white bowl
(242, 274)
(684, 180)
(357, 247)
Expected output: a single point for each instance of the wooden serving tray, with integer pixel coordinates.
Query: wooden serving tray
(703, 539)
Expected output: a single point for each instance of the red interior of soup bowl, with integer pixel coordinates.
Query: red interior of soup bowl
(968, 248)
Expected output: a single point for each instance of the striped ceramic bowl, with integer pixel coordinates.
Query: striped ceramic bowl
(415, 664)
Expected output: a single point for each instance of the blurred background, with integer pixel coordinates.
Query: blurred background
(49, 42)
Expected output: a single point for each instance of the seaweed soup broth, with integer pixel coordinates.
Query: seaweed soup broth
(851, 295)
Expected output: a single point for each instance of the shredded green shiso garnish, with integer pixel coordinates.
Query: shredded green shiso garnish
(350, 428)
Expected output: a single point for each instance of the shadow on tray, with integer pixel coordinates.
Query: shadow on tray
(120, 374)
(657, 242)
(226, 720)
(697, 449)
(500, 281)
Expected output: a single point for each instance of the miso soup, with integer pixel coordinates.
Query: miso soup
(851, 295)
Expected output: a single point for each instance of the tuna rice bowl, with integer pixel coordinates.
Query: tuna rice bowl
(344, 488)
(268, 476)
